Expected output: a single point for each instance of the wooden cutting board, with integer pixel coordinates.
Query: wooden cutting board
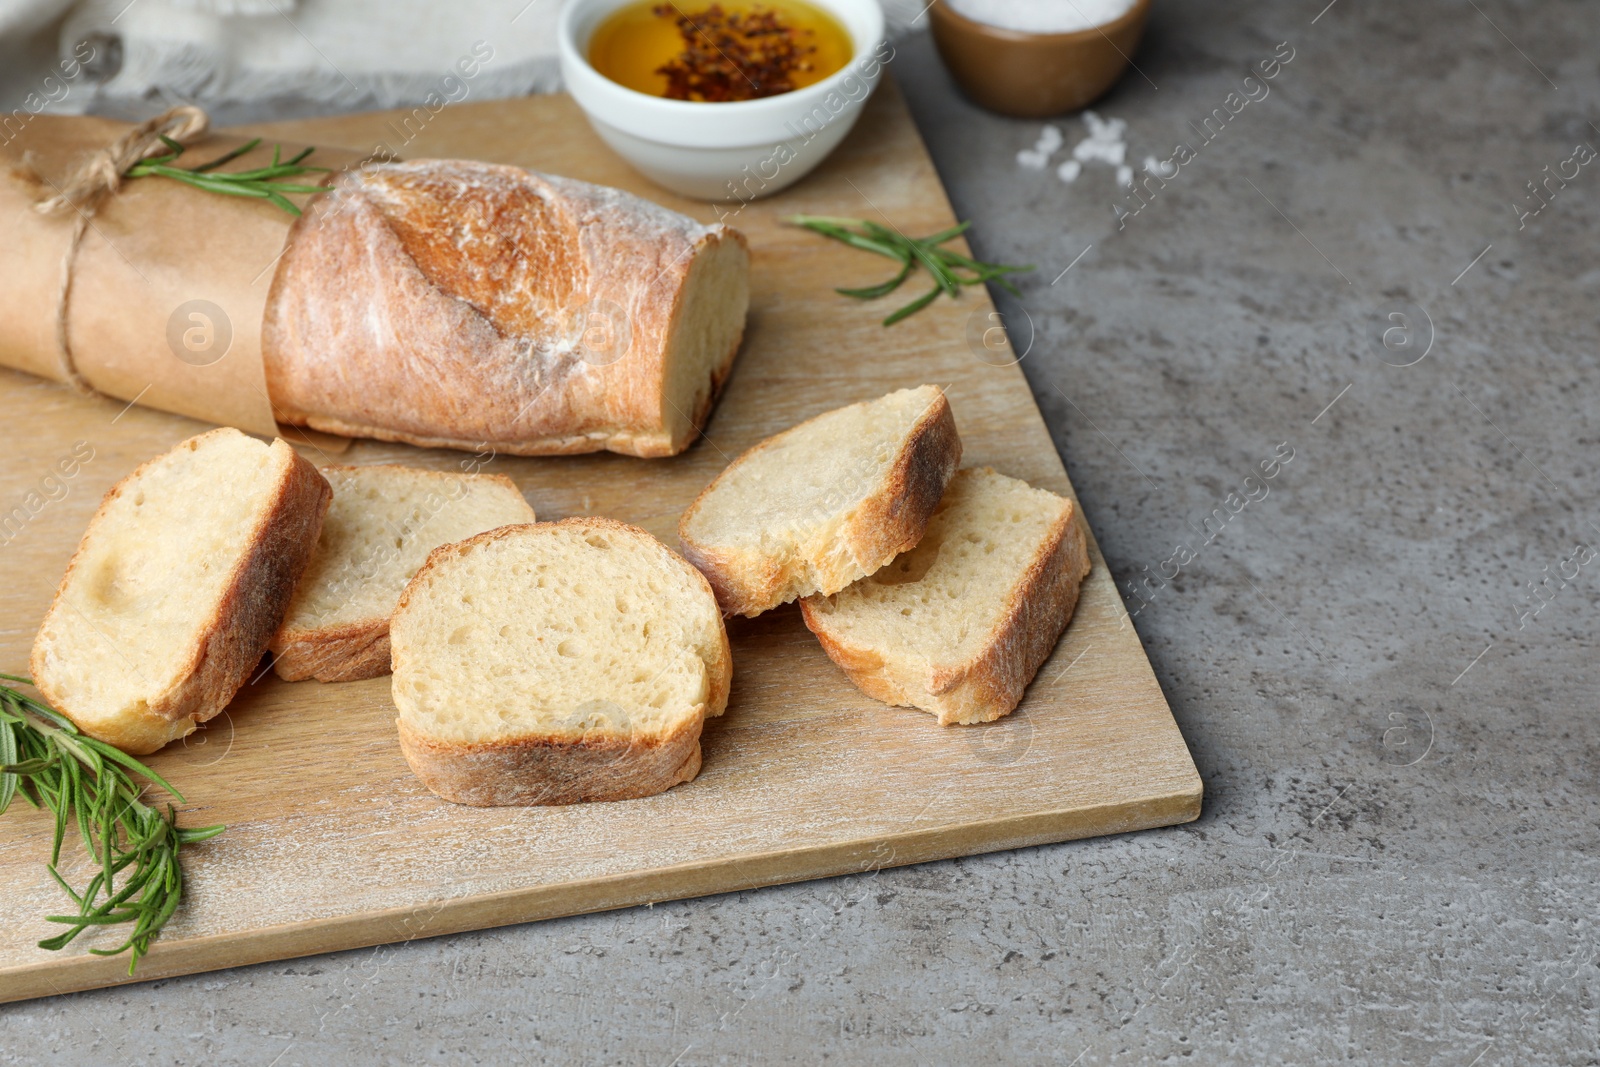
(333, 844)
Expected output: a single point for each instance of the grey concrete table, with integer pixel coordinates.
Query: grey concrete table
(1385, 665)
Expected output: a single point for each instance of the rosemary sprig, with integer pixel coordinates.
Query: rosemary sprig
(263, 183)
(44, 757)
(949, 270)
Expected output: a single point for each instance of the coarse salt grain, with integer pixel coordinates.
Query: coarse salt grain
(1042, 16)
(1105, 144)
(1160, 168)
(1112, 152)
(1038, 156)
(1104, 129)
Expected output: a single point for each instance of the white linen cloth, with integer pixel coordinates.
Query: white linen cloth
(332, 54)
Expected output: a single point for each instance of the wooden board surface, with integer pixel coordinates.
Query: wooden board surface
(333, 844)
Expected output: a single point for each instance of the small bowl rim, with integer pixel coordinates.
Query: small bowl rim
(566, 42)
(942, 10)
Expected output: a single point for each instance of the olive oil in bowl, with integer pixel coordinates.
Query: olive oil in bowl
(719, 53)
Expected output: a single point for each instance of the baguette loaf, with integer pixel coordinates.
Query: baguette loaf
(555, 663)
(960, 624)
(184, 573)
(383, 522)
(824, 503)
(469, 305)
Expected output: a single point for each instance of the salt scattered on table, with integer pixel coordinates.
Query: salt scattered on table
(1038, 156)
(1104, 129)
(1090, 150)
(1105, 143)
(1160, 168)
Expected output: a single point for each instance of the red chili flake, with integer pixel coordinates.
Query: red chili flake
(733, 57)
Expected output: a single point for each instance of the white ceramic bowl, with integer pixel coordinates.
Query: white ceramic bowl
(735, 151)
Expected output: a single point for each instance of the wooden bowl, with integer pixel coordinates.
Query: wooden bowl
(1033, 75)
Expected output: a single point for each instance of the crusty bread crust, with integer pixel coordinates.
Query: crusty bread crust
(547, 769)
(345, 653)
(236, 636)
(888, 522)
(991, 683)
(354, 651)
(537, 770)
(380, 325)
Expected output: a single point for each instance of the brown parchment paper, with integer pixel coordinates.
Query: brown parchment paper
(162, 300)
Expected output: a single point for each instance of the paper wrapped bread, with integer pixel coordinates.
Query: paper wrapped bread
(437, 302)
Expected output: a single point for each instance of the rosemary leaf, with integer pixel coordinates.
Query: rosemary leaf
(868, 244)
(944, 235)
(941, 264)
(229, 157)
(201, 833)
(8, 756)
(956, 259)
(274, 171)
(872, 292)
(113, 753)
(283, 202)
(941, 273)
(90, 783)
(913, 307)
(840, 230)
(263, 183)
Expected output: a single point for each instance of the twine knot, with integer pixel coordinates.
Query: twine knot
(101, 174)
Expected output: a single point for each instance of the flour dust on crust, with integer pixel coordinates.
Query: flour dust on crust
(471, 305)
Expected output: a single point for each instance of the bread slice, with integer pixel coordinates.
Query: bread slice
(555, 663)
(824, 503)
(382, 524)
(959, 625)
(179, 582)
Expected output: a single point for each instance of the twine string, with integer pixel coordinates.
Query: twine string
(87, 186)
(101, 174)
